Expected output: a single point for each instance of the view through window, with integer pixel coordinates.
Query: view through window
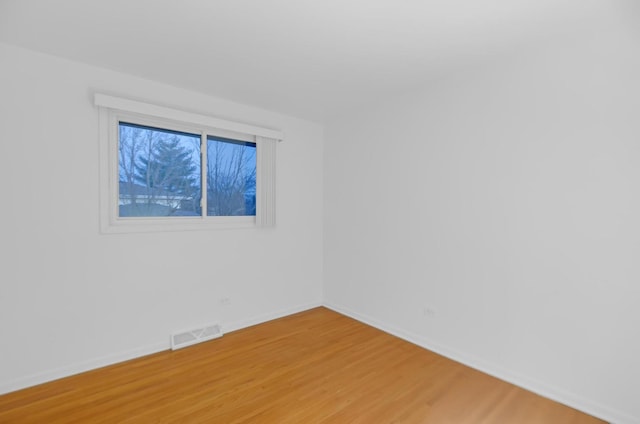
(161, 174)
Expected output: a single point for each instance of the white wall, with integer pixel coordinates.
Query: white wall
(71, 298)
(505, 199)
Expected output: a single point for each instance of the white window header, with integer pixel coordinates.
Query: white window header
(118, 103)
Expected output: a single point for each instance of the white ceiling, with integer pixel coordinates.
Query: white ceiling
(307, 58)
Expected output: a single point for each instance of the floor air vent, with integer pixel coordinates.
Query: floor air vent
(198, 335)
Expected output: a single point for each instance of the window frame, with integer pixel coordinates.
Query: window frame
(114, 110)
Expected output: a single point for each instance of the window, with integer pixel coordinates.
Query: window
(231, 177)
(160, 173)
(164, 169)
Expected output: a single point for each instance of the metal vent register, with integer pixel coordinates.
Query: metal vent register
(198, 335)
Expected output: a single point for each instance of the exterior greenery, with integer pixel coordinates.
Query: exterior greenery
(160, 174)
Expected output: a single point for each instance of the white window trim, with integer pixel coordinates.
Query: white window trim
(112, 110)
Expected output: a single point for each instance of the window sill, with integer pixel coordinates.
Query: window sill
(151, 225)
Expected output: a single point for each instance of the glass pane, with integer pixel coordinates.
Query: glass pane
(231, 177)
(159, 172)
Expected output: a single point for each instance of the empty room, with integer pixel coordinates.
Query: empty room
(296, 211)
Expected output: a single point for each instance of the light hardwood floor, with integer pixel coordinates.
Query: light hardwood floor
(313, 367)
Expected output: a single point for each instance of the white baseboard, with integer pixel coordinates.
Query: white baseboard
(593, 408)
(259, 319)
(91, 364)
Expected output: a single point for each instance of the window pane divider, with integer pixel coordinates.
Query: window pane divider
(203, 174)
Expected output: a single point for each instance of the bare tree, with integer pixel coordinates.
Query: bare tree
(128, 151)
(231, 178)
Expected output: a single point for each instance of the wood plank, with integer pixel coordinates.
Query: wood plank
(313, 367)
